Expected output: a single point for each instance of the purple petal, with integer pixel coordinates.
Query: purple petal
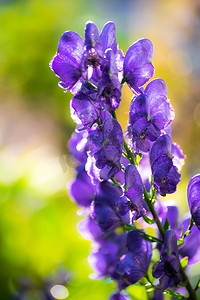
(119, 296)
(89, 229)
(138, 109)
(133, 179)
(138, 68)
(170, 243)
(82, 190)
(71, 43)
(161, 147)
(108, 37)
(83, 110)
(91, 35)
(67, 63)
(160, 111)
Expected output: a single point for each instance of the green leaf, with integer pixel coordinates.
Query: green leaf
(184, 262)
(166, 225)
(148, 220)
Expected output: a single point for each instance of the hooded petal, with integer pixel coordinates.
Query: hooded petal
(138, 68)
(83, 111)
(108, 37)
(67, 62)
(161, 112)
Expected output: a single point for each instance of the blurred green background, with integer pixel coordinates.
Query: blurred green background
(39, 242)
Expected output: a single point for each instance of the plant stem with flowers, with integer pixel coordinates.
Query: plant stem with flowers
(120, 177)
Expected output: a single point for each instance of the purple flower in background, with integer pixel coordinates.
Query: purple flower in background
(89, 229)
(134, 191)
(119, 296)
(138, 68)
(165, 174)
(78, 146)
(135, 262)
(105, 150)
(193, 195)
(81, 189)
(149, 113)
(168, 267)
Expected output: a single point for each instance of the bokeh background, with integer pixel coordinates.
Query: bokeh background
(39, 243)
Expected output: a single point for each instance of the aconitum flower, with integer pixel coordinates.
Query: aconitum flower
(138, 68)
(81, 189)
(104, 259)
(119, 296)
(193, 195)
(77, 60)
(105, 150)
(168, 267)
(89, 229)
(149, 113)
(134, 191)
(165, 174)
(110, 208)
(135, 262)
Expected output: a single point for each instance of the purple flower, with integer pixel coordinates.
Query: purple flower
(81, 189)
(119, 296)
(67, 62)
(77, 60)
(105, 150)
(193, 195)
(105, 258)
(134, 191)
(157, 295)
(168, 267)
(165, 174)
(135, 262)
(109, 87)
(83, 111)
(149, 113)
(89, 229)
(110, 208)
(138, 68)
(78, 146)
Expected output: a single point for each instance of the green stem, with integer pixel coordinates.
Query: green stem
(154, 214)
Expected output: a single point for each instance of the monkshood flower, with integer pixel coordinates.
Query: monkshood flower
(134, 263)
(149, 113)
(138, 68)
(87, 105)
(119, 296)
(168, 267)
(193, 195)
(165, 174)
(105, 150)
(81, 189)
(89, 229)
(77, 60)
(104, 259)
(134, 191)
(78, 145)
(110, 208)
(157, 295)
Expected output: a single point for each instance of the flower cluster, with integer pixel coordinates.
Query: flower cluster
(120, 177)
